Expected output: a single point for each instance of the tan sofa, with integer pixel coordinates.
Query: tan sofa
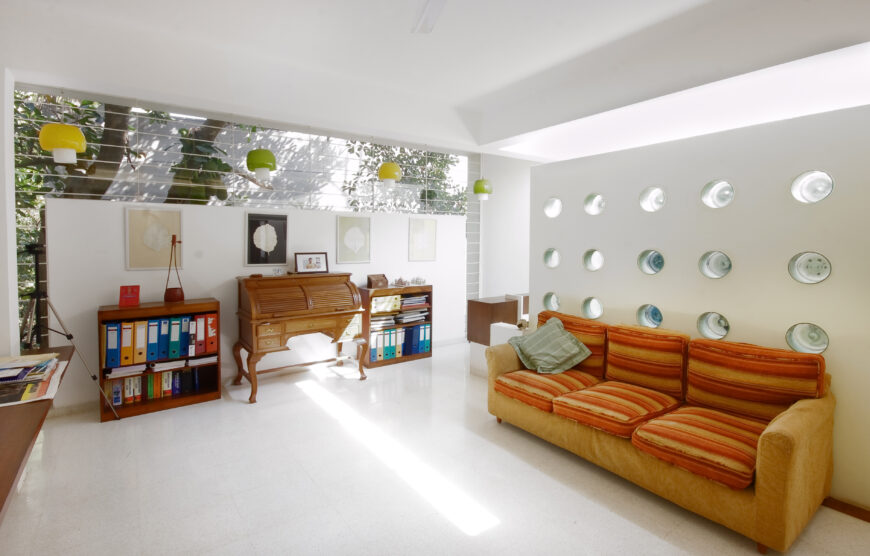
(792, 470)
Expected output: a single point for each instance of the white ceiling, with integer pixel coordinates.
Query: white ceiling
(489, 71)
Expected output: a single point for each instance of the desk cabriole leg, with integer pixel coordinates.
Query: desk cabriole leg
(237, 355)
(362, 352)
(338, 362)
(253, 359)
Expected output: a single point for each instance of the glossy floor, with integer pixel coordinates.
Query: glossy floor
(407, 462)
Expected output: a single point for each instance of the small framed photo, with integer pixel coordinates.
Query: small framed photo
(311, 262)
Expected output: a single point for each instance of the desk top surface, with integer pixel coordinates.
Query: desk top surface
(19, 426)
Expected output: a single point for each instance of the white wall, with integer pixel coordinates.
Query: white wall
(242, 80)
(761, 230)
(8, 276)
(504, 225)
(85, 250)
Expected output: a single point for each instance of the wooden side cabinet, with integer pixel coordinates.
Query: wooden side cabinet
(150, 360)
(397, 323)
(487, 310)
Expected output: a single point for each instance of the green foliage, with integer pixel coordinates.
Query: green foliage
(200, 165)
(426, 185)
(36, 171)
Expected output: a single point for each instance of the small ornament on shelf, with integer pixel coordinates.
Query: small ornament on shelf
(376, 281)
(418, 281)
(400, 282)
(173, 295)
(129, 296)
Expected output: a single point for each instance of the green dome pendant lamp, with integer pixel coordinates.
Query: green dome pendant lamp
(261, 162)
(482, 188)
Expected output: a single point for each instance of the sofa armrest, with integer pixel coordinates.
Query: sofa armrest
(793, 470)
(501, 359)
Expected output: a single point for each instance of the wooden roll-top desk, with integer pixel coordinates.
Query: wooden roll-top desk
(273, 309)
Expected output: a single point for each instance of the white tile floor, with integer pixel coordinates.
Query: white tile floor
(290, 476)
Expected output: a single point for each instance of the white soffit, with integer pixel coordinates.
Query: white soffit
(831, 81)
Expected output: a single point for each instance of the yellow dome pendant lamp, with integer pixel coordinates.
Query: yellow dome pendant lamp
(389, 173)
(482, 188)
(63, 140)
(261, 162)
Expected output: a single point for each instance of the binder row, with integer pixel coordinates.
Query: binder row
(396, 342)
(151, 386)
(141, 341)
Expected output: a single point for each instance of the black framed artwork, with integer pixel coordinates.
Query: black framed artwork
(266, 239)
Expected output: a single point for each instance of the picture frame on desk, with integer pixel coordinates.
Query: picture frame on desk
(265, 239)
(311, 262)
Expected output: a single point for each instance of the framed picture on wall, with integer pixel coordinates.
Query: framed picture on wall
(149, 238)
(421, 239)
(353, 236)
(311, 262)
(265, 239)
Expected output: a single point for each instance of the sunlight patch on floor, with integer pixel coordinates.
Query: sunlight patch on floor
(463, 511)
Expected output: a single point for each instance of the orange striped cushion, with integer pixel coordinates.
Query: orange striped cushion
(651, 358)
(704, 441)
(538, 390)
(614, 407)
(750, 380)
(591, 333)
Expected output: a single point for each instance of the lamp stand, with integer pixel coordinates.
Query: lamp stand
(68, 335)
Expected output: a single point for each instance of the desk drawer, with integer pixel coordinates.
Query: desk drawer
(269, 342)
(302, 325)
(269, 329)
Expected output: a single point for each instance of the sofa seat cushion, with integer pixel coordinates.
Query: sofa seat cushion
(650, 358)
(753, 381)
(538, 390)
(707, 442)
(614, 407)
(591, 333)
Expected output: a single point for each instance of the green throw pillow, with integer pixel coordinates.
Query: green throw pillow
(550, 349)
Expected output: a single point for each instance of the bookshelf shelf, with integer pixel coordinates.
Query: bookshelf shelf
(379, 336)
(196, 379)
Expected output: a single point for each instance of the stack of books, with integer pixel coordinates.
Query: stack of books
(415, 308)
(414, 301)
(414, 315)
(149, 381)
(381, 322)
(26, 377)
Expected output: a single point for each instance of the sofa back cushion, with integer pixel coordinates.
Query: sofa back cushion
(650, 358)
(591, 333)
(750, 380)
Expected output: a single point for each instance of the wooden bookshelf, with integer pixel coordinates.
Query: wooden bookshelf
(207, 385)
(370, 294)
